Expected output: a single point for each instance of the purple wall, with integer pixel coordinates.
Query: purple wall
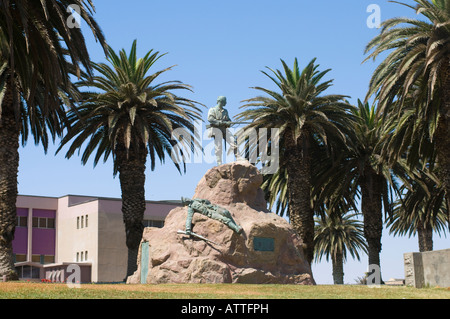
(22, 212)
(43, 239)
(20, 242)
(44, 213)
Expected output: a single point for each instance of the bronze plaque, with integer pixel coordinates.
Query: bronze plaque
(263, 244)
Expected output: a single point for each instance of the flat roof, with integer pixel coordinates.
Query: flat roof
(92, 198)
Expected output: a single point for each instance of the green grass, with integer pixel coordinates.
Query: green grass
(27, 290)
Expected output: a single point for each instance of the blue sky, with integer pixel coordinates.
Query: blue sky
(219, 48)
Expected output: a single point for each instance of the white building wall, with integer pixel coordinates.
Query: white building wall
(103, 238)
(75, 238)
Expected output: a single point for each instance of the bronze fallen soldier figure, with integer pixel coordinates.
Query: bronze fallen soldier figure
(205, 207)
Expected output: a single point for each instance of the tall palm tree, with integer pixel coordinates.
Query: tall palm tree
(359, 173)
(305, 116)
(335, 235)
(419, 58)
(38, 53)
(421, 209)
(130, 117)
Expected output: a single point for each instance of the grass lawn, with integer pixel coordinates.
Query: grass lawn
(28, 290)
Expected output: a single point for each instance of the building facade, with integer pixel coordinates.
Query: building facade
(53, 233)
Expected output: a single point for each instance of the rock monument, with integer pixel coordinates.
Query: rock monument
(261, 247)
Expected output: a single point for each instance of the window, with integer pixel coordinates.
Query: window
(20, 258)
(43, 259)
(22, 221)
(35, 272)
(82, 222)
(82, 256)
(28, 272)
(153, 223)
(50, 223)
(49, 259)
(43, 222)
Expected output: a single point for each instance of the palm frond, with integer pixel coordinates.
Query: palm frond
(129, 113)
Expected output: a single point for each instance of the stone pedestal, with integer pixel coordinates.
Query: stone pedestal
(267, 251)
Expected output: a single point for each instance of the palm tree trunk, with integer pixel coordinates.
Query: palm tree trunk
(131, 169)
(299, 187)
(338, 269)
(425, 237)
(9, 165)
(371, 205)
(442, 136)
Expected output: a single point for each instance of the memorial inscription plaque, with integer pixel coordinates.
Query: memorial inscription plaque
(263, 244)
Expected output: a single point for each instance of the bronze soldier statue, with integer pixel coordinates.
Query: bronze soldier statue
(219, 122)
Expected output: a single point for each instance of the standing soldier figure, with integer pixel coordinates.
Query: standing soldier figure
(219, 123)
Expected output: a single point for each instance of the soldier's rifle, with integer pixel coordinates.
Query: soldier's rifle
(228, 124)
(197, 236)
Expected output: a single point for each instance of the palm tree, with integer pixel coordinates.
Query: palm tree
(419, 58)
(304, 117)
(360, 173)
(335, 234)
(38, 53)
(130, 117)
(421, 209)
